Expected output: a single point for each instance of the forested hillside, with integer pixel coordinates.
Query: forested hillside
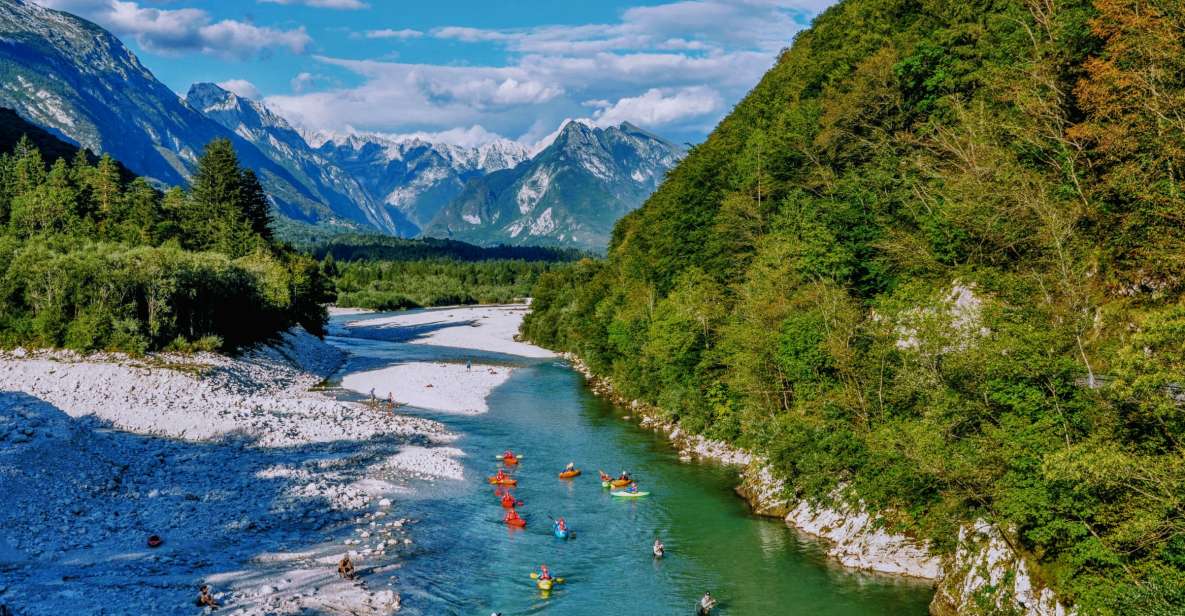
(91, 260)
(934, 259)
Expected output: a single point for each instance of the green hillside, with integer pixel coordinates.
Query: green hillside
(934, 257)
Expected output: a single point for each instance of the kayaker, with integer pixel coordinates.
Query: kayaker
(511, 516)
(507, 500)
(625, 476)
(544, 573)
(206, 599)
(605, 476)
(570, 467)
(508, 455)
(633, 489)
(561, 524)
(659, 548)
(706, 603)
(500, 475)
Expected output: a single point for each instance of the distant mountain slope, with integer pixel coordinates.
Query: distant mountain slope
(13, 127)
(80, 82)
(278, 140)
(416, 177)
(571, 193)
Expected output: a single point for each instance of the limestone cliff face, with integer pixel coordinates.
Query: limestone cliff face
(987, 575)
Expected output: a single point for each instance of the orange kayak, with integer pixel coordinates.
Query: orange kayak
(503, 482)
(510, 461)
(569, 474)
(519, 522)
(620, 483)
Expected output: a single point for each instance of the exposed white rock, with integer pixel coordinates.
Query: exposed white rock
(985, 565)
(857, 541)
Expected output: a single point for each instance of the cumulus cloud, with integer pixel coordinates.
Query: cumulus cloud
(661, 107)
(241, 87)
(324, 4)
(175, 31)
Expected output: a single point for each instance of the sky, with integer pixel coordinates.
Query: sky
(465, 71)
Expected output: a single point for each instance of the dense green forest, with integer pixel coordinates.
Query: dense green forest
(357, 247)
(92, 258)
(399, 284)
(935, 258)
(389, 273)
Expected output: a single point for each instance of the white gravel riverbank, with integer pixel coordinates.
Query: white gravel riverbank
(256, 484)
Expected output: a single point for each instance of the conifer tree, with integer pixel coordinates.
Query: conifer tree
(256, 205)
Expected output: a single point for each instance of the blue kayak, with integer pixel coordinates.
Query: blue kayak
(562, 533)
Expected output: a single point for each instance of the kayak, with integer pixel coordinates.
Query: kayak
(625, 494)
(569, 474)
(620, 483)
(503, 482)
(562, 534)
(519, 522)
(510, 460)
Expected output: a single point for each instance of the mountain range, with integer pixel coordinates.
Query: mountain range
(80, 83)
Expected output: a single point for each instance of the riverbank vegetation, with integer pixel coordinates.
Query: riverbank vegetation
(933, 258)
(94, 259)
(388, 273)
(396, 285)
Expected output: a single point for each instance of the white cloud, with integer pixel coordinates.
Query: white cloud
(304, 81)
(387, 33)
(659, 107)
(176, 31)
(471, 137)
(241, 87)
(324, 4)
(676, 66)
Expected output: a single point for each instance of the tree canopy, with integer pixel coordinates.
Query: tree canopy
(94, 259)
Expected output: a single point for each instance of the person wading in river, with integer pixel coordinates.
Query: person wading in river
(706, 603)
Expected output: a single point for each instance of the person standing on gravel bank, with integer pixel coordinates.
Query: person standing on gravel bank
(205, 599)
(345, 568)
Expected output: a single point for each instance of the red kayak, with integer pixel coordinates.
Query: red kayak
(517, 522)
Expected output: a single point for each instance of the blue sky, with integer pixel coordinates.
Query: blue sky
(465, 70)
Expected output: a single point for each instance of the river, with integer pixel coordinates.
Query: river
(468, 562)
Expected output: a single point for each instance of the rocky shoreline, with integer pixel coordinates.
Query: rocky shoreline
(985, 570)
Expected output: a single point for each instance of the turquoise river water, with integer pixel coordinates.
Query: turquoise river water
(468, 562)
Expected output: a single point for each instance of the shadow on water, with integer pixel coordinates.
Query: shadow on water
(220, 508)
(471, 563)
